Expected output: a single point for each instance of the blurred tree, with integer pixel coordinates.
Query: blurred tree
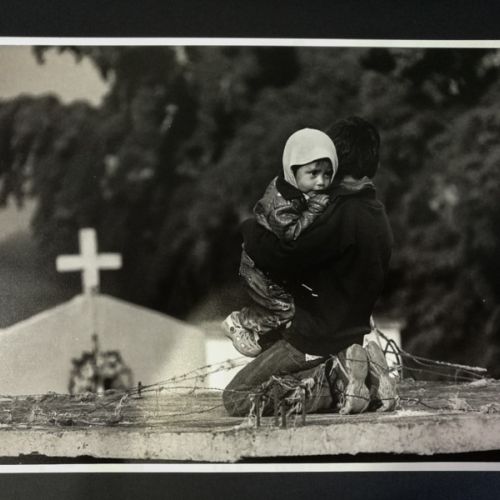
(452, 293)
(443, 158)
(136, 167)
(187, 138)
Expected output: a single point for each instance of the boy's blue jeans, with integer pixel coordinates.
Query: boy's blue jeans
(280, 359)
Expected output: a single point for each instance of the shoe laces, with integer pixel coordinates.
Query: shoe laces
(337, 363)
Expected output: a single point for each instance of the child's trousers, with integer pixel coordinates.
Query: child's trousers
(272, 305)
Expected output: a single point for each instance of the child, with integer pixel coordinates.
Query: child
(289, 205)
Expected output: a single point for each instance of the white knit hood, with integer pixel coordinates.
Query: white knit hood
(305, 146)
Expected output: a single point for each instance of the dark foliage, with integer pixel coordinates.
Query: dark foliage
(187, 138)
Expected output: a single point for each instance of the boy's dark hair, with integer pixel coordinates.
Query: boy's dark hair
(357, 142)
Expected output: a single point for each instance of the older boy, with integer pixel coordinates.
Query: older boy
(342, 258)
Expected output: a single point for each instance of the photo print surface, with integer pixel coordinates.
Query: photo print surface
(128, 176)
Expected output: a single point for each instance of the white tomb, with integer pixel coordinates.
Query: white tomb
(391, 330)
(218, 351)
(36, 354)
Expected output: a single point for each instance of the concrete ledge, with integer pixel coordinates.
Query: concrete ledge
(424, 435)
(169, 426)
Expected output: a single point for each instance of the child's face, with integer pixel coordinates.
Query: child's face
(314, 176)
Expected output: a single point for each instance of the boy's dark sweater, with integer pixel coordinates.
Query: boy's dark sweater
(335, 270)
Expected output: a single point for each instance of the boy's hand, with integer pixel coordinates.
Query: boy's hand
(317, 202)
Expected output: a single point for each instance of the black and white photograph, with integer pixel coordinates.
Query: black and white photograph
(240, 253)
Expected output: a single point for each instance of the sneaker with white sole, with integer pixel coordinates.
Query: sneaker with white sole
(350, 370)
(383, 388)
(244, 341)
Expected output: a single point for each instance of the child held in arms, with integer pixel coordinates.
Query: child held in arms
(290, 204)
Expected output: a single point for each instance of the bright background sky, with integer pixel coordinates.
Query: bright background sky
(60, 75)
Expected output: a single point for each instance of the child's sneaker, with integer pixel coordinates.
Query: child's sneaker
(383, 388)
(244, 341)
(350, 369)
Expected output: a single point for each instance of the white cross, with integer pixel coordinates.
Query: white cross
(89, 262)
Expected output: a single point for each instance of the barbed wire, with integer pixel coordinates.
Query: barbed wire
(198, 375)
(431, 366)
